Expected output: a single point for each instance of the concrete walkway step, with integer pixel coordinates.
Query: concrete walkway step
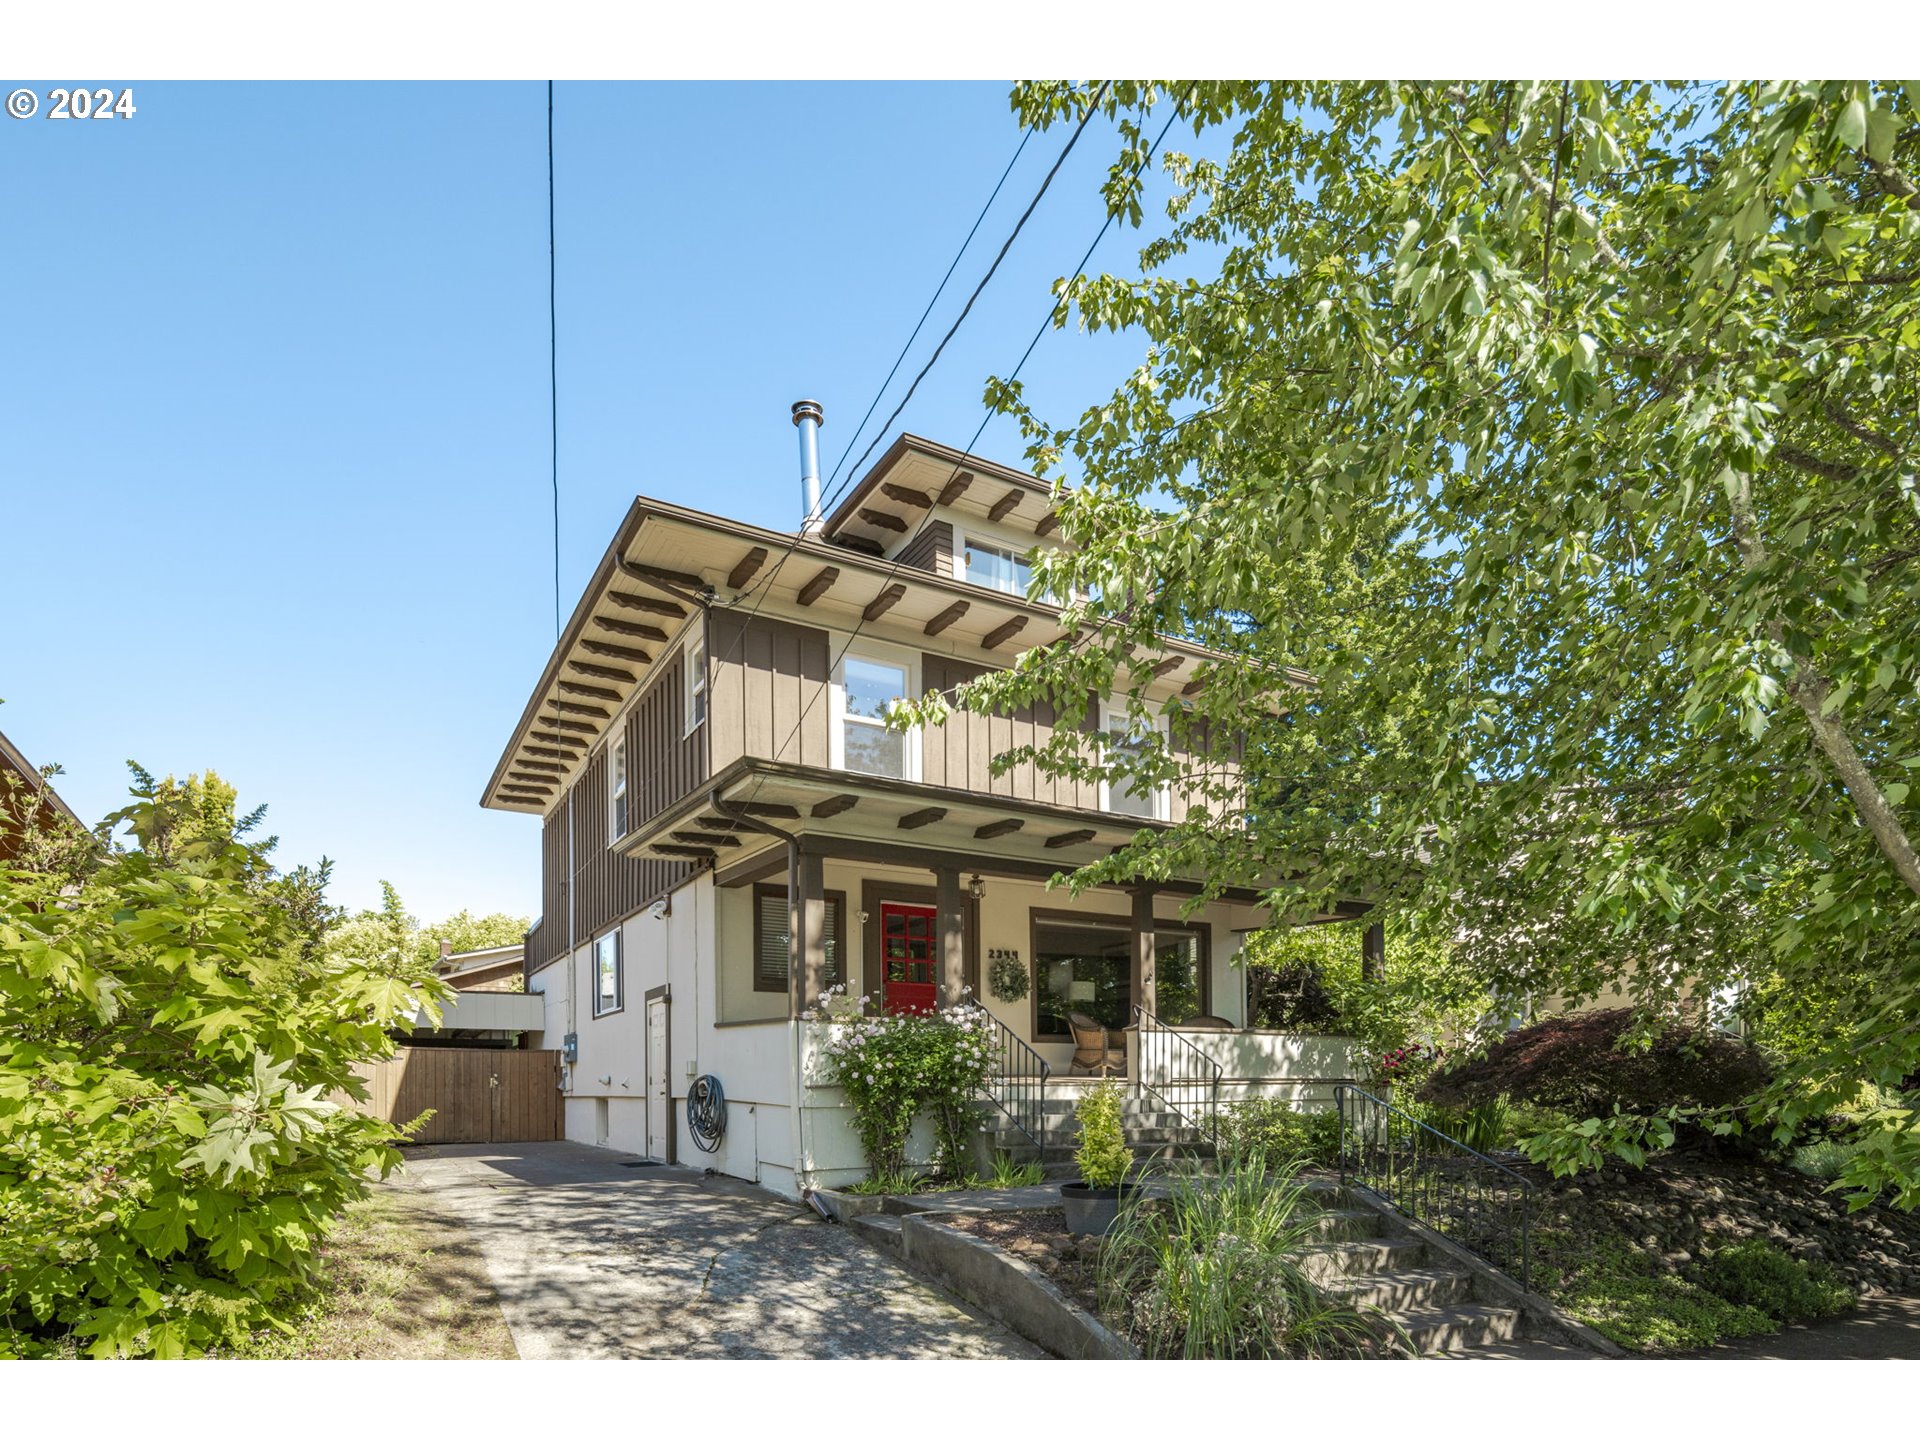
(1458, 1327)
(1360, 1257)
(1347, 1224)
(1411, 1289)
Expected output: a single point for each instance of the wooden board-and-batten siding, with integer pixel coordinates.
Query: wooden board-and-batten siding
(770, 680)
(478, 1097)
(931, 549)
(664, 765)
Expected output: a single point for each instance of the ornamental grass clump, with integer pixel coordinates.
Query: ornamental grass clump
(1214, 1272)
(893, 1065)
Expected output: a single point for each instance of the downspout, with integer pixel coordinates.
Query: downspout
(795, 1130)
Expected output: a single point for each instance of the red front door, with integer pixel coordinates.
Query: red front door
(907, 949)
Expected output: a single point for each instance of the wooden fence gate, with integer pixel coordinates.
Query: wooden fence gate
(484, 1097)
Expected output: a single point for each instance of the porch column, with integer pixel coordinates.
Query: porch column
(951, 903)
(1373, 953)
(1142, 968)
(806, 931)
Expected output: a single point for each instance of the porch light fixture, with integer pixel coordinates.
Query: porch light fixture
(977, 888)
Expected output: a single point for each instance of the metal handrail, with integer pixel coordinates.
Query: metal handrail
(1020, 1074)
(1187, 1067)
(1428, 1175)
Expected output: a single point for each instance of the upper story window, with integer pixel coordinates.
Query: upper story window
(869, 687)
(998, 567)
(696, 681)
(608, 981)
(1126, 735)
(617, 787)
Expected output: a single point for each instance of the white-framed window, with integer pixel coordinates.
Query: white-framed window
(868, 684)
(1124, 734)
(609, 984)
(694, 657)
(995, 566)
(616, 787)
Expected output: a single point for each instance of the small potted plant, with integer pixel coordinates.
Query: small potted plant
(1092, 1202)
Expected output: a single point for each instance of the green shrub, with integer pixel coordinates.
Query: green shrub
(1762, 1275)
(172, 1035)
(1102, 1154)
(1631, 1300)
(893, 1066)
(1598, 1061)
(1214, 1271)
(1270, 1129)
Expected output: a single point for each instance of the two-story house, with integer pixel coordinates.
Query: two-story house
(731, 828)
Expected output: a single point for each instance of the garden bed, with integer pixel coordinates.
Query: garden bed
(1626, 1250)
(1040, 1238)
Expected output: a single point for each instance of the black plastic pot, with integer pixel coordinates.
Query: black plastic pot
(1091, 1211)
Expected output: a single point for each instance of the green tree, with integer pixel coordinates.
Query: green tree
(1543, 455)
(171, 1042)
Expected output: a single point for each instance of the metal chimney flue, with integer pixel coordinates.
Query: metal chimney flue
(808, 417)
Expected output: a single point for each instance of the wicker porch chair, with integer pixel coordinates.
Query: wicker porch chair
(1096, 1049)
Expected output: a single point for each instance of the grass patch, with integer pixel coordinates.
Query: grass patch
(397, 1282)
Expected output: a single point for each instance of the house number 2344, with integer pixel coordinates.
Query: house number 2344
(1003, 954)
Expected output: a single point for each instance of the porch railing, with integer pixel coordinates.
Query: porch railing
(1470, 1198)
(1179, 1074)
(1017, 1083)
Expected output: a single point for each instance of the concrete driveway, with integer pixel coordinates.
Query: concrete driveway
(591, 1258)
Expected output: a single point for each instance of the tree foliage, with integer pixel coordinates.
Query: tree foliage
(1542, 456)
(172, 1039)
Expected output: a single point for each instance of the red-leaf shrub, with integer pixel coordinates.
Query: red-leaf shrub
(1577, 1063)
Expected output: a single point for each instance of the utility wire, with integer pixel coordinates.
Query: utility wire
(893, 567)
(553, 371)
(763, 587)
(939, 290)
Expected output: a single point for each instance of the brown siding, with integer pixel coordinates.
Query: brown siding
(769, 691)
(931, 549)
(609, 887)
(959, 753)
(1206, 760)
(664, 764)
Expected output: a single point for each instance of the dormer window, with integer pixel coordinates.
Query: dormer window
(997, 567)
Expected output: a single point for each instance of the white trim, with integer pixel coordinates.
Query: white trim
(619, 973)
(987, 539)
(1162, 795)
(879, 653)
(617, 823)
(695, 645)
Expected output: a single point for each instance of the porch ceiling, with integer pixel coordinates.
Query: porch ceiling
(885, 821)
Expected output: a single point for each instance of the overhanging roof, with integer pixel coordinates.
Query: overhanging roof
(667, 560)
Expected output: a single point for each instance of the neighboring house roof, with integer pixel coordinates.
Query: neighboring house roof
(667, 560)
(13, 761)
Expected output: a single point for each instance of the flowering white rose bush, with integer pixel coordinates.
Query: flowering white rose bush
(892, 1065)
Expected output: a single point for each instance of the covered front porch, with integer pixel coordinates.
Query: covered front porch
(915, 896)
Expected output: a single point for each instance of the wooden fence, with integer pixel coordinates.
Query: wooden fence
(484, 1097)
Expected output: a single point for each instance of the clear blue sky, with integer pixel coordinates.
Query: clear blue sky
(273, 404)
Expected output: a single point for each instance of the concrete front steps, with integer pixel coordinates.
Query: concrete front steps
(1435, 1305)
(1153, 1133)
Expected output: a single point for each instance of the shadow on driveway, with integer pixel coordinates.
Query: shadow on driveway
(593, 1259)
